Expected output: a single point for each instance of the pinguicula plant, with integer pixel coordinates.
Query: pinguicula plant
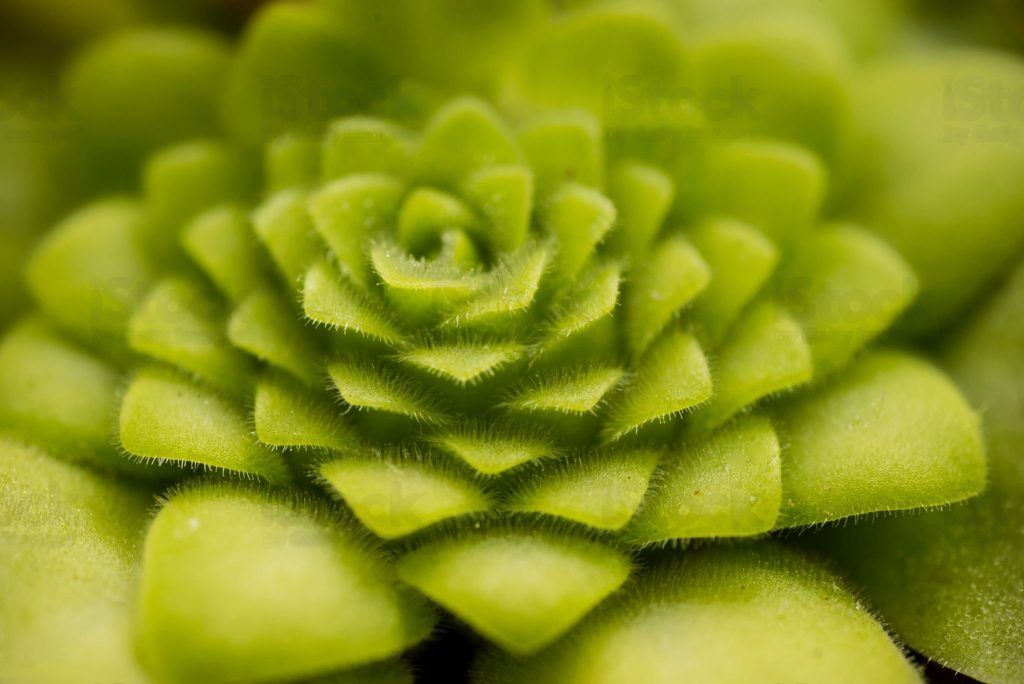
(584, 365)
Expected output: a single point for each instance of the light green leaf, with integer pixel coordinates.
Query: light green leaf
(601, 489)
(668, 279)
(503, 195)
(214, 598)
(492, 448)
(726, 615)
(165, 417)
(463, 136)
(222, 243)
(643, 195)
(373, 387)
(889, 433)
(426, 214)
(361, 145)
(724, 485)
(330, 300)
(520, 588)
(764, 354)
(579, 218)
(564, 146)
(291, 161)
(264, 325)
(672, 377)
(577, 390)
(509, 289)
(283, 225)
(397, 494)
(71, 547)
(349, 212)
(463, 361)
(288, 414)
(88, 273)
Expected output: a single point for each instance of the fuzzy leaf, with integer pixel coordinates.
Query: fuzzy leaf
(741, 260)
(764, 354)
(591, 299)
(643, 195)
(71, 547)
(285, 228)
(181, 324)
(889, 433)
(54, 394)
(744, 614)
(426, 214)
(463, 362)
(845, 287)
(376, 388)
(329, 299)
(579, 218)
(568, 390)
(88, 273)
(181, 182)
(351, 211)
(264, 325)
(213, 598)
(463, 136)
(360, 145)
(668, 279)
(221, 242)
(166, 417)
(522, 589)
(291, 415)
(672, 377)
(509, 288)
(493, 449)
(562, 147)
(601, 489)
(503, 195)
(775, 187)
(724, 485)
(395, 496)
(291, 161)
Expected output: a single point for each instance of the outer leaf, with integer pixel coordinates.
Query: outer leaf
(890, 433)
(729, 615)
(238, 584)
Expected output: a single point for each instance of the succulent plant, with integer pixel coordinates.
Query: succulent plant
(566, 363)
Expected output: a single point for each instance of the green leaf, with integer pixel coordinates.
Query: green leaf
(776, 187)
(288, 414)
(521, 588)
(54, 394)
(966, 609)
(264, 325)
(741, 260)
(672, 377)
(181, 324)
(785, 77)
(926, 172)
(671, 276)
(284, 226)
(503, 196)
(88, 274)
(601, 489)
(397, 494)
(71, 546)
(571, 390)
(463, 136)
(845, 287)
(214, 603)
(643, 195)
(297, 67)
(603, 60)
(291, 161)
(139, 89)
(376, 388)
(764, 354)
(181, 182)
(463, 361)
(724, 485)
(165, 417)
(349, 212)
(509, 289)
(579, 218)
(492, 448)
(889, 433)
(427, 214)
(221, 242)
(591, 299)
(361, 145)
(419, 289)
(564, 146)
(329, 299)
(743, 614)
